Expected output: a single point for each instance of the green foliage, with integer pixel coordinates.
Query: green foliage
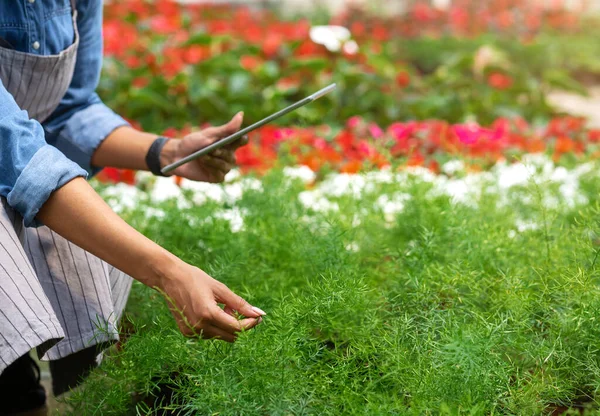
(447, 310)
(439, 82)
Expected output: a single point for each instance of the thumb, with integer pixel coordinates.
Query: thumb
(235, 302)
(228, 129)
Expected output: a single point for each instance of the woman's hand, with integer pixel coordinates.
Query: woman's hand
(79, 214)
(193, 298)
(209, 168)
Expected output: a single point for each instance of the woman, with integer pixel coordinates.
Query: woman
(65, 257)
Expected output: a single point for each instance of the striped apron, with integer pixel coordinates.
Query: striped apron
(54, 296)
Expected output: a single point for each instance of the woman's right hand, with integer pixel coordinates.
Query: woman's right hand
(194, 299)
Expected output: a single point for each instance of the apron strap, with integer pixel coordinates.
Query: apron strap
(73, 5)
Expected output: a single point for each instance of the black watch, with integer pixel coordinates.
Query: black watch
(153, 156)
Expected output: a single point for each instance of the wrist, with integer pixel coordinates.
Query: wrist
(160, 268)
(168, 152)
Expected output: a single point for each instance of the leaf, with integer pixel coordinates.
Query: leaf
(148, 96)
(314, 64)
(269, 69)
(200, 39)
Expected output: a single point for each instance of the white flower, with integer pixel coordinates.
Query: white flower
(453, 166)
(332, 37)
(457, 190)
(351, 47)
(121, 196)
(304, 173)
(233, 191)
(165, 188)
(523, 225)
(232, 175)
(343, 184)
(560, 174)
(154, 213)
(317, 202)
(384, 175)
(203, 191)
(353, 247)
(202, 245)
(513, 175)
(252, 184)
(391, 207)
(234, 216)
(422, 173)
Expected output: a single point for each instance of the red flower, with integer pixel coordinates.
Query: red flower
(353, 166)
(113, 175)
(288, 83)
(459, 18)
(195, 54)
(500, 81)
(470, 133)
(354, 122)
(403, 79)
(250, 62)
(164, 25)
(309, 48)
(375, 131)
(422, 12)
(564, 145)
(594, 135)
(380, 33)
(171, 132)
(133, 62)
(401, 131)
(416, 159)
(272, 44)
(358, 29)
(140, 82)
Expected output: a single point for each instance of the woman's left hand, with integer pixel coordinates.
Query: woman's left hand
(209, 168)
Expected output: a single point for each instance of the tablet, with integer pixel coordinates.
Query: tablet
(230, 139)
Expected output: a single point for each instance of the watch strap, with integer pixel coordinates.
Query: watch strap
(153, 155)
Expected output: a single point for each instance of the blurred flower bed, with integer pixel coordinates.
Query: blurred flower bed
(362, 145)
(170, 66)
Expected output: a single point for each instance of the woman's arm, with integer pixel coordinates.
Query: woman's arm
(77, 213)
(126, 148)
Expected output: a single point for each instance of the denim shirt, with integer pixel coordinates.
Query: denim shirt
(36, 159)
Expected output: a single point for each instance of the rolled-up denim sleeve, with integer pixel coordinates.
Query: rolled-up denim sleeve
(30, 169)
(81, 122)
(83, 131)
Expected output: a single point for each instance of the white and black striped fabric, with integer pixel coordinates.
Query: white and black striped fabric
(54, 296)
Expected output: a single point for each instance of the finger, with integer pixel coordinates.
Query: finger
(212, 332)
(219, 132)
(225, 296)
(243, 141)
(215, 176)
(218, 164)
(226, 154)
(231, 325)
